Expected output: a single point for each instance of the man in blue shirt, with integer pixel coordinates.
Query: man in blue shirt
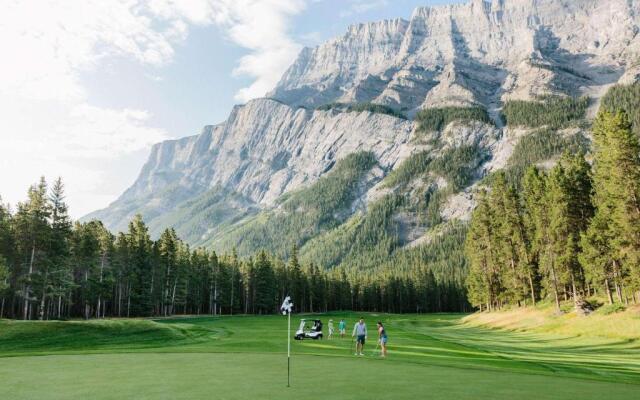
(360, 333)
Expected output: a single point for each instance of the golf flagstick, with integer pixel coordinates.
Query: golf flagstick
(289, 347)
(286, 307)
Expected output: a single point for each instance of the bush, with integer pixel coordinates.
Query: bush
(435, 119)
(612, 309)
(553, 111)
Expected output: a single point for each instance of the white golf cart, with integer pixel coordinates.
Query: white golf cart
(314, 333)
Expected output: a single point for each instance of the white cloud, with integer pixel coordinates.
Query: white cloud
(124, 130)
(362, 6)
(261, 26)
(48, 126)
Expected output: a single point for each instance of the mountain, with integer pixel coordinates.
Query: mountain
(372, 144)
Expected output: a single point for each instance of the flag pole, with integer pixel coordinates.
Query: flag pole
(286, 307)
(289, 350)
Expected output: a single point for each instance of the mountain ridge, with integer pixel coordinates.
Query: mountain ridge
(234, 172)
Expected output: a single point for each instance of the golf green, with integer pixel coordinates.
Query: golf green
(430, 356)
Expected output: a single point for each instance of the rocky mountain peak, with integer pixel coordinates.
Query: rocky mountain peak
(370, 83)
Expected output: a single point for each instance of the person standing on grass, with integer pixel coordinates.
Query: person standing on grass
(360, 333)
(342, 327)
(382, 339)
(330, 329)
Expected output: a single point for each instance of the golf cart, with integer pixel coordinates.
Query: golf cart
(314, 333)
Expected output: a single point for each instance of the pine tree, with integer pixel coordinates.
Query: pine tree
(617, 197)
(265, 285)
(535, 219)
(214, 276)
(511, 242)
(105, 274)
(56, 278)
(483, 281)
(168, 251)
(553, 261)
(4, 283)
(598, 253)
(578, 211)
(142, 279)
(32, 232)
(7, 254)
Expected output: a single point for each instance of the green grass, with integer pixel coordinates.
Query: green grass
(434, 356)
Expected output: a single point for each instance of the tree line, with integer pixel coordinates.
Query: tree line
(54, 268)
(553, 111)
(570, 233)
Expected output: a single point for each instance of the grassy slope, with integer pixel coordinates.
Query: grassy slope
(624, 326)
(198, 357)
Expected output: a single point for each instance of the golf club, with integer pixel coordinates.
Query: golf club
(376, 349)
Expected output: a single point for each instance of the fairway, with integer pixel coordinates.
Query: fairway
(431, 356)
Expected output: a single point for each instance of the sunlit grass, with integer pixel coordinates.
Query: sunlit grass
(453, 348)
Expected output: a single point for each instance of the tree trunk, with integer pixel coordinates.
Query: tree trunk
(231, 304)
(607, 290)
(616, 278)
(100, 294)
(555, 287)
(128, 299)
(173, 296)
(533, 294)
(59, 302)
(574, 291)
(27, 287)
(119, 299)
(166, 290)
(215, 297)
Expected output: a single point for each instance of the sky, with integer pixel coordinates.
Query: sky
(88, 86)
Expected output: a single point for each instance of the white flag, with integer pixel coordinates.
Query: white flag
(287, 305)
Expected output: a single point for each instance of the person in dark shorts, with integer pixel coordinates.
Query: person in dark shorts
(360, 333)
(382, 339)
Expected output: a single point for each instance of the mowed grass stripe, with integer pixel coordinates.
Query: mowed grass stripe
(263, 376)
(428, 340)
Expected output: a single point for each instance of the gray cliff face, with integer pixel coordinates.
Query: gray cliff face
(263, 150)
(479, 53)
(267, 148)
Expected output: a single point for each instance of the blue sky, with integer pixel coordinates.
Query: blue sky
(93, 85)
